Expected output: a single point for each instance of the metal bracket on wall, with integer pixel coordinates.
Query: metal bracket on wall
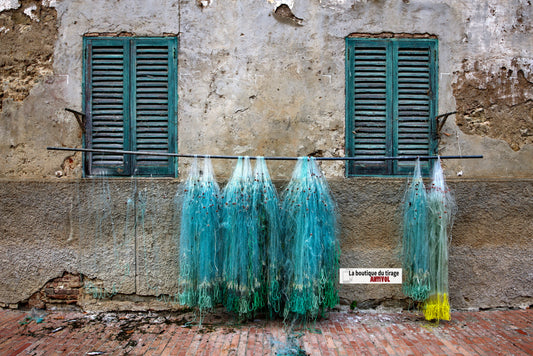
(441, 120)
(80, 118)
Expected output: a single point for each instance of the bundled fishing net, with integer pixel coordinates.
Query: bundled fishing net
(311, 244)
(442, 209)
(243, 258)
(415, 249)
(266, 209)
(199, 248)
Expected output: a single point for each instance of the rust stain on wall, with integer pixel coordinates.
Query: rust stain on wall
(497, 104)
(26, 53)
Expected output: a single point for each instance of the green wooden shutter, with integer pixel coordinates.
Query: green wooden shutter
(130, 89)
(391, 87)
(106, 92)
(154, 104)
(415, 113)
(368, 130)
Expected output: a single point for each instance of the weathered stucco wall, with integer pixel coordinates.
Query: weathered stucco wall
(252, 83)
(100, 229)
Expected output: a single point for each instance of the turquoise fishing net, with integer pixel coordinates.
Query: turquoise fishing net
(249, 251)
(311, 245)
(415, 249)
(266, 208)
(243, 259)
(200, 240)
(441, 213)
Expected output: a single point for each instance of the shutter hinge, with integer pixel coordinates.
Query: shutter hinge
(174, 53)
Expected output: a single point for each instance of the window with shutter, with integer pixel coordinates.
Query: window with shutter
(130, 102)
(391, 103)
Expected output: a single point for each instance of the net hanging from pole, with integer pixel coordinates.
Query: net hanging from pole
(243, 259)
(428, 219)
(415, 249)
(266, 208)
(441, 213)
(200, 243)
(312, 249)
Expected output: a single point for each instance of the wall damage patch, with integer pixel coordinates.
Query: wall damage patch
(496, 102)
(284, 14)
(61, 290)
(28, 34)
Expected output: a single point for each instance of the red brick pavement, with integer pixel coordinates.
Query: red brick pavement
(499, 332)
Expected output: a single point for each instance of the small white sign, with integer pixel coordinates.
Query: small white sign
(370, 275)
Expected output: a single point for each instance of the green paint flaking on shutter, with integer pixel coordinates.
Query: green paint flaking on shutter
(391, 102)
(130, 89)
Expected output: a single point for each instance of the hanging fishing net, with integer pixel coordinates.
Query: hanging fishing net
(415, 251)
(441, 212)
(243, 258)
(199, 247)
(311, 245)
(266, 209)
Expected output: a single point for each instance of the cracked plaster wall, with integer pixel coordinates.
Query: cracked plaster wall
(252, 85)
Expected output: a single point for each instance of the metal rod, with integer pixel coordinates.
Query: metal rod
(280, 158)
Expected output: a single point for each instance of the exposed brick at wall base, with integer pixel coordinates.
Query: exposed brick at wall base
(62, 290)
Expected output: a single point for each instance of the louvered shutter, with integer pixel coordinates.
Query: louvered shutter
(154, 104)
(369, 132)
(130, 102)
(106, 91)
(415, 102)
(390, 103)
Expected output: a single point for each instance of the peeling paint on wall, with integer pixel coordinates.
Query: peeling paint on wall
(29, 12)
(9, 4)
(284, 14)
(203, 3)
(496, 102)
(28, 37)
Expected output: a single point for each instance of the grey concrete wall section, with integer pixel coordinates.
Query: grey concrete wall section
(157, 238)
(88, 227)
(118, 234)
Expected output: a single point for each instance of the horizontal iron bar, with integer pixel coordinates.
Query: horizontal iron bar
(168, 154)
